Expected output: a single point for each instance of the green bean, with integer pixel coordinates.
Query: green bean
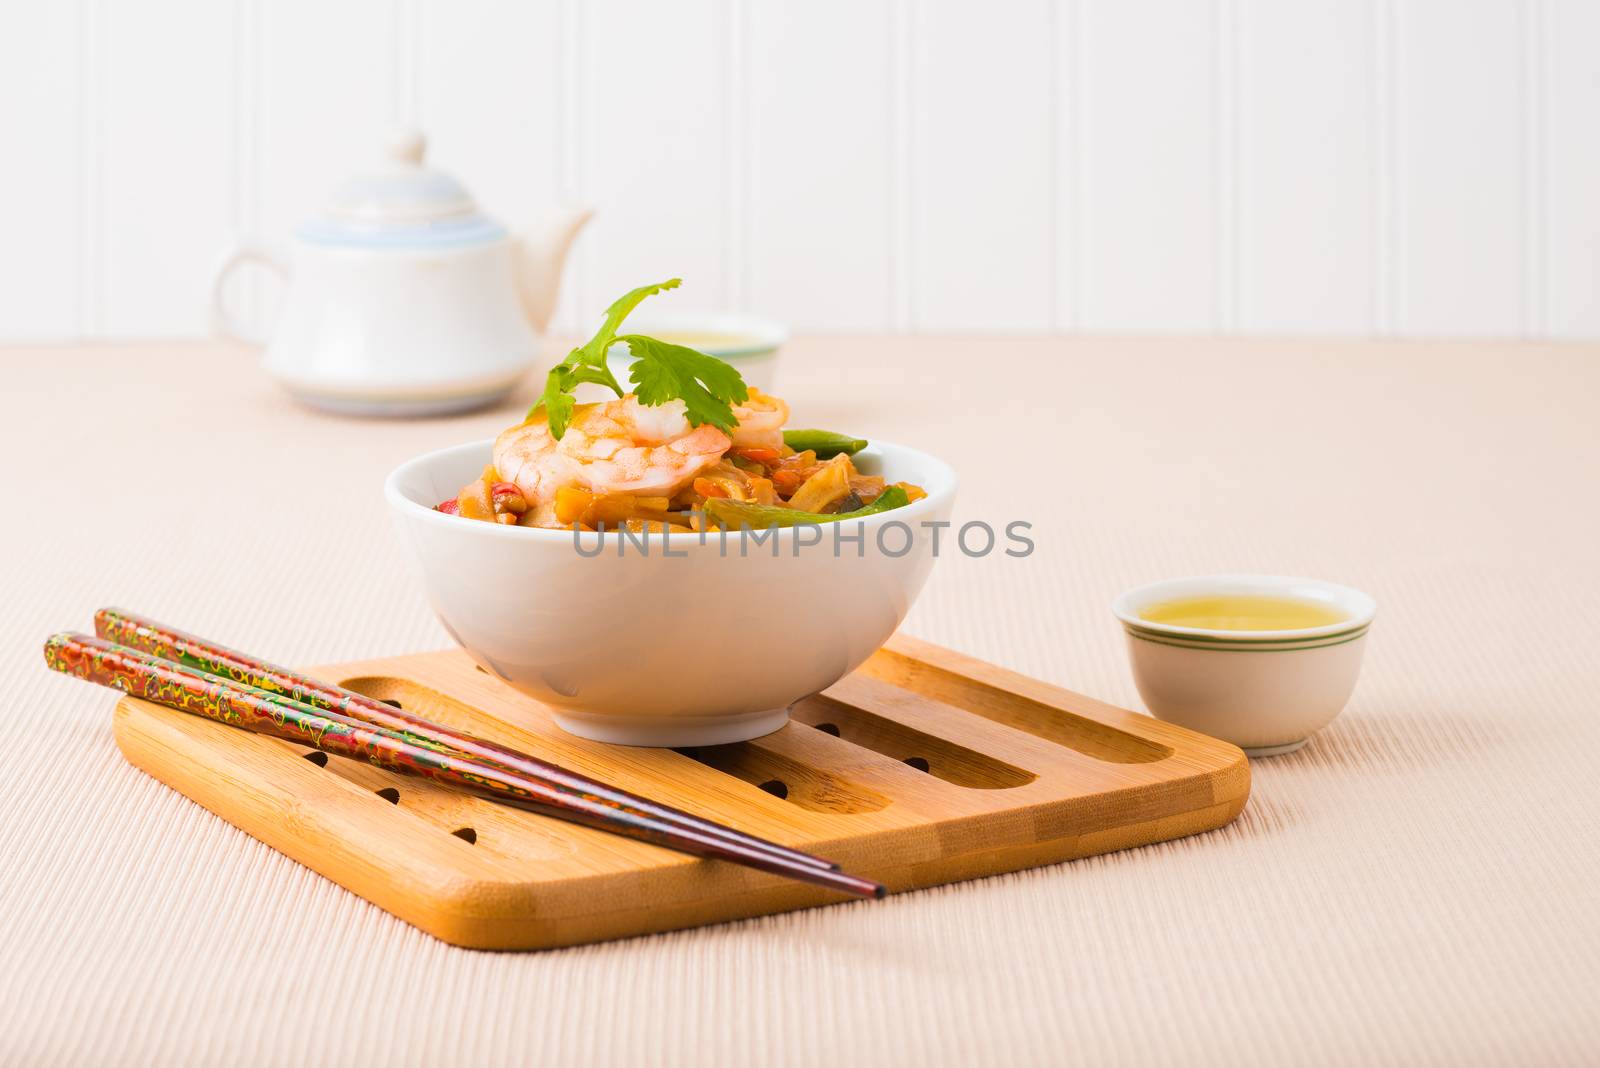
(825, 443)
(734, 515)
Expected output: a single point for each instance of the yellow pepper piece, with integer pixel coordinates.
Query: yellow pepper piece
(571, 503)
(829, 485)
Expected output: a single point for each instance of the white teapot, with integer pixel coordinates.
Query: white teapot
(403, 298)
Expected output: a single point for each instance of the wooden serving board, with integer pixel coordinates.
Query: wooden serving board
(923, 767)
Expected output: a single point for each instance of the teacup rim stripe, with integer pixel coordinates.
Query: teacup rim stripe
(1322, 642)
(1218, 639)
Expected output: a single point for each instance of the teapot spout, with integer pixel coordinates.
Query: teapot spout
(541, 252)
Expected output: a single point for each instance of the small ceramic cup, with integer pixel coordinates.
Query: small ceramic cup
(1267, 692)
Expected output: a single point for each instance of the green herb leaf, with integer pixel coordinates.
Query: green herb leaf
(708, 387)
(587, 362)
(601, 343)
(556, 400)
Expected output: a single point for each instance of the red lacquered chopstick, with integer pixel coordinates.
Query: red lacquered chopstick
(165, 683)
(200, 654)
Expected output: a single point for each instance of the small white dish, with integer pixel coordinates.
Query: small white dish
(683, 645)
(749, 342)
(1267, 691)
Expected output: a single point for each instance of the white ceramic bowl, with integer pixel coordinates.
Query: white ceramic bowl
(749, 342)
(636, 647)
(1267, 692)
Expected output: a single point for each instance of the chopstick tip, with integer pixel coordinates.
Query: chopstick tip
(55, 643)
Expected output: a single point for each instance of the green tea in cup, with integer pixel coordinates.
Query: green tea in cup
(1239, 611)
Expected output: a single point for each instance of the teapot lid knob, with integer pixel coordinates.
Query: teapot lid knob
(408, 146)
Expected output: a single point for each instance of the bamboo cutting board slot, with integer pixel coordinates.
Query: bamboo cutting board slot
(922, 767)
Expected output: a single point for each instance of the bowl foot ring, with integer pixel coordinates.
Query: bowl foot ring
(655, 733)
(1254, 751)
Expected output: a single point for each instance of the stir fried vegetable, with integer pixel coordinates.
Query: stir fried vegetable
(729, 496)
(737, 515)
(825, 443)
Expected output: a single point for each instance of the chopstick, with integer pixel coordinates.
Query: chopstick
(201, 654)
(163, 682)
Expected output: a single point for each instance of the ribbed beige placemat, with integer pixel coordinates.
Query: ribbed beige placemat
(1418, 886)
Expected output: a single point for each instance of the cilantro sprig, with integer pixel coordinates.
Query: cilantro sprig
(661, 372)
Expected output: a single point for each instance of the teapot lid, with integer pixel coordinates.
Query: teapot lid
(401, 204)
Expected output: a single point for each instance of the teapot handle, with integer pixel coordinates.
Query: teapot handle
(224, 320)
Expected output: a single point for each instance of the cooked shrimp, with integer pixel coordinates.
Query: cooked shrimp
(761, 420)
(620, 446)
(528, 457)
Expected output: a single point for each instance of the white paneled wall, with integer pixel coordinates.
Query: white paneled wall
(1341, 167)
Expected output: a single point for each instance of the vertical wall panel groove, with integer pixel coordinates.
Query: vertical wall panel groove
(1054, 159)
(1573, 176)
(1080, 47)
(43, 113)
